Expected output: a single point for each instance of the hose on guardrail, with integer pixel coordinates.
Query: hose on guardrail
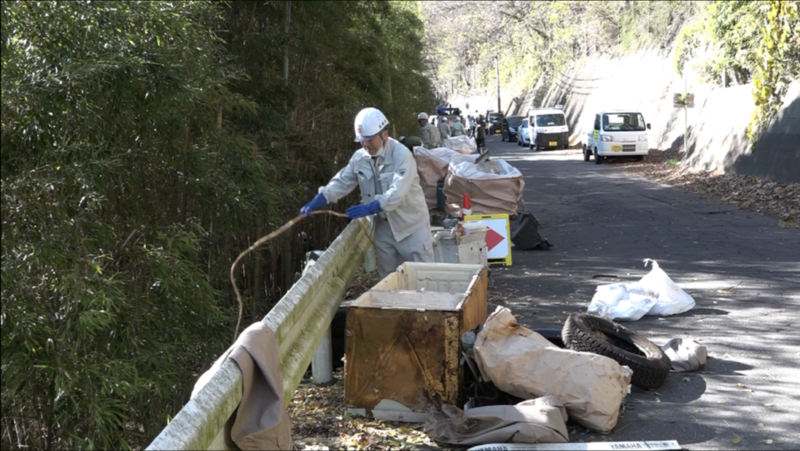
(266, 238)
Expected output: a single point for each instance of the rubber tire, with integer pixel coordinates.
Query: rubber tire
(519, 143)
(596, 157)
(585, 154)
(589, 333)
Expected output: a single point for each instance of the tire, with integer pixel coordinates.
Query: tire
(596, 157)
(589, 333)
(640, 158)
(519, 143)
(585, 154)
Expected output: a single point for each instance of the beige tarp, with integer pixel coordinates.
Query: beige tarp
(430, 170)
(541, 420)
(432, 166)
(262, 421)
(523, 363)
(493, 187)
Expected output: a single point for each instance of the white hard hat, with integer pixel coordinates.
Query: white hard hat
(369, 122)
(422, 115)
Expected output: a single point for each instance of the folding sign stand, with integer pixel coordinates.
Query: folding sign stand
(498, 242)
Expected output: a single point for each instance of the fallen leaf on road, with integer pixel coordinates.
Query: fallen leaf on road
(737, 440)
(769, 404)
(687, 379)
(768, 441)
(740, 385)
(722, 401)
(658, 399)
(761, 425)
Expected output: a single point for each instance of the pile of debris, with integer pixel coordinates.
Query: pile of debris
(320, 422)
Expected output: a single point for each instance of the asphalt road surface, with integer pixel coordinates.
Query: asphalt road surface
(741, 268)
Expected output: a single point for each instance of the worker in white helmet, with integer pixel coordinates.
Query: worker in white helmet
(429, 134)
(444, 128)
(386, 172)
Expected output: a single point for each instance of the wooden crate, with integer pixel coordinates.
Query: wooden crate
(403, 339)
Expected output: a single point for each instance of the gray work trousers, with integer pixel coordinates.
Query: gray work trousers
(417, 247)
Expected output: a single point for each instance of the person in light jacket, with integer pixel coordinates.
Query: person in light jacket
(457, 128)
(444, 128)
(428, 133)
(386, 173)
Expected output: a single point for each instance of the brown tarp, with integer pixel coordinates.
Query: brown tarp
(488, 196)
(523, 363)
(541, 420)
(262, 421)
(430, 170)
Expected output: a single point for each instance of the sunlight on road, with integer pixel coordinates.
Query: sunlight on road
(555, 155)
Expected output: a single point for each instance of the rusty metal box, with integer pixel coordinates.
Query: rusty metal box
(402, 339)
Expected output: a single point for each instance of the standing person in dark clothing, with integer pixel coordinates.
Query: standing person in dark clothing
(480, 133)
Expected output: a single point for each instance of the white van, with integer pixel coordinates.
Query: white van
(547, 128)
(618, 133)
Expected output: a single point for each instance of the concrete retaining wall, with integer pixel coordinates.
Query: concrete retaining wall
(647, 81)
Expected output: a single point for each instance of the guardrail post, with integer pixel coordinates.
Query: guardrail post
(322, 362)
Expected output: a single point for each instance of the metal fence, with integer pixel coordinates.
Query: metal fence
(299, 320)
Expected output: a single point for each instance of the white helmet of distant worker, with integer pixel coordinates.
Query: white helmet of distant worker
(369, 122)
(422, 115)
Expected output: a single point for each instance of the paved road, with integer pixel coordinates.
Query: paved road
(742, 270)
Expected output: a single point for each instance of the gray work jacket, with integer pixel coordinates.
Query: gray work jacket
(430, 136)
(394, 182)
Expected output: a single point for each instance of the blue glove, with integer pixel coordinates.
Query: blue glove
(318, 202)
(361, 210)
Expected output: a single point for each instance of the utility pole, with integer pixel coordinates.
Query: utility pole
(497, 75)
(685, 113)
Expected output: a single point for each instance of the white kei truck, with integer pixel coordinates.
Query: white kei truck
(548, 129)
(617, 133)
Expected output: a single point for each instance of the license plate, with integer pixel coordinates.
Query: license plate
(554, 143)
(616, 148)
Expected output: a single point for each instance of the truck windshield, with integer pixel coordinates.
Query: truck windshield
(623, 122)
(550, 120)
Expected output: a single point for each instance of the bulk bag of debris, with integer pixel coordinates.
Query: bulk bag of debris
(432, 166)
(493, 186)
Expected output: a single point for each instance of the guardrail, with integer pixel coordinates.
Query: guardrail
(300, 320)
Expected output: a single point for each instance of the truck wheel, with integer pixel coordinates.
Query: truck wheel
(596, 157)
(589, 333)
(585, 154)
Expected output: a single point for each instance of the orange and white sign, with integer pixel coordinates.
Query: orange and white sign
(498, 241)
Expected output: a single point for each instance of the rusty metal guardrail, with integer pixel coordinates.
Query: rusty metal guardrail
(299, 320)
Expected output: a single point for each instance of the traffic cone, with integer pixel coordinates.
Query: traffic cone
(466, 206)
